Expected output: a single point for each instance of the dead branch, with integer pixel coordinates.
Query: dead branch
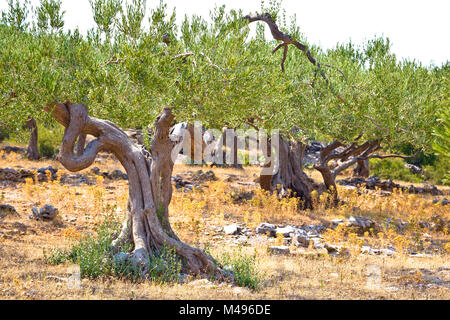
(286, 39)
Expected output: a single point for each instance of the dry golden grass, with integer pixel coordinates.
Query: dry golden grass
(197, 218)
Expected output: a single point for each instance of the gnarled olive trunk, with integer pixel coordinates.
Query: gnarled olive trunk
(349, 156)
(362, 168)
(33, 150)
(147, 225)
(289, 178)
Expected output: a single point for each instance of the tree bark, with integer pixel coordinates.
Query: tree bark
(289, 180)
(33, 150)
(362, 168)
(350, 154)
(147, 225)
(80, 144)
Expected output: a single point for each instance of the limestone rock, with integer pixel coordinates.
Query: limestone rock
(266, 228)
(279, 250)
(46, 213)
(7, 210)
(232, 229)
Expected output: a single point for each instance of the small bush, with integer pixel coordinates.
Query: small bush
(244, 268)
(57, 256)
(165, 267)
(439, 173)
(393, 169)
(95, 258)
(49, 140)
(3, 133)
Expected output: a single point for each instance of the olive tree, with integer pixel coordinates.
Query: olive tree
(213, 72)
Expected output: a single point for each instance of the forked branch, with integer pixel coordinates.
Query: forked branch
(287, 40)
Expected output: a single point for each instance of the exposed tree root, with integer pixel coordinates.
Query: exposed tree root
(289, 178)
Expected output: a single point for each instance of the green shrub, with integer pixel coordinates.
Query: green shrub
(57, 256)
(439, 173)
(244, 268)
(419, 157)
(49, 140)
(95, 258)
(3, 133)
(165, 266)
(393, 169)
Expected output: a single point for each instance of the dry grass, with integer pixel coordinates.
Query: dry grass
(197, 217)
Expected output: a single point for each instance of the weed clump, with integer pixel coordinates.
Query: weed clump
(95, 258)
(244, 268)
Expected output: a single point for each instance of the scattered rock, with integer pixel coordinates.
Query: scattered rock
(232, 229)
(118, 175)
(11, 175)
(121, 258)
(231, 178)
(96, 171)
(421, 255)
(279, 250)
(361, 224)
(317, 243)
(398, 223)
(443, 202)
(242, 196)
(46, 213)
(201, 176)
(44, 171)
(286, 231)
(266, 228)
(76, 179)
(436, 224)
(113, 175)
(336, 222)
(414, 169)
(391, 289)
(374, 182)
(202, 283)
(377, 252)
(7, 210)
(184, 185)
(300, 239)
(332, 248)
(9, 149)
(426, 189)
(18, 229)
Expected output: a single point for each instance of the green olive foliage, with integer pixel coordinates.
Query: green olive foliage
(215, 72)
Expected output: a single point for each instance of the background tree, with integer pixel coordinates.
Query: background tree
(50, 17)
(359, 100)
(16, 15)
(105, 14)
(131, 18)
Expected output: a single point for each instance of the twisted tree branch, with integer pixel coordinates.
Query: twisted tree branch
(285, 38)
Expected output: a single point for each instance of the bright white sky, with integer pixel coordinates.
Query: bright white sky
(418, 29)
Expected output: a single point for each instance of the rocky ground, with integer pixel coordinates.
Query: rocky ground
(381, 244)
